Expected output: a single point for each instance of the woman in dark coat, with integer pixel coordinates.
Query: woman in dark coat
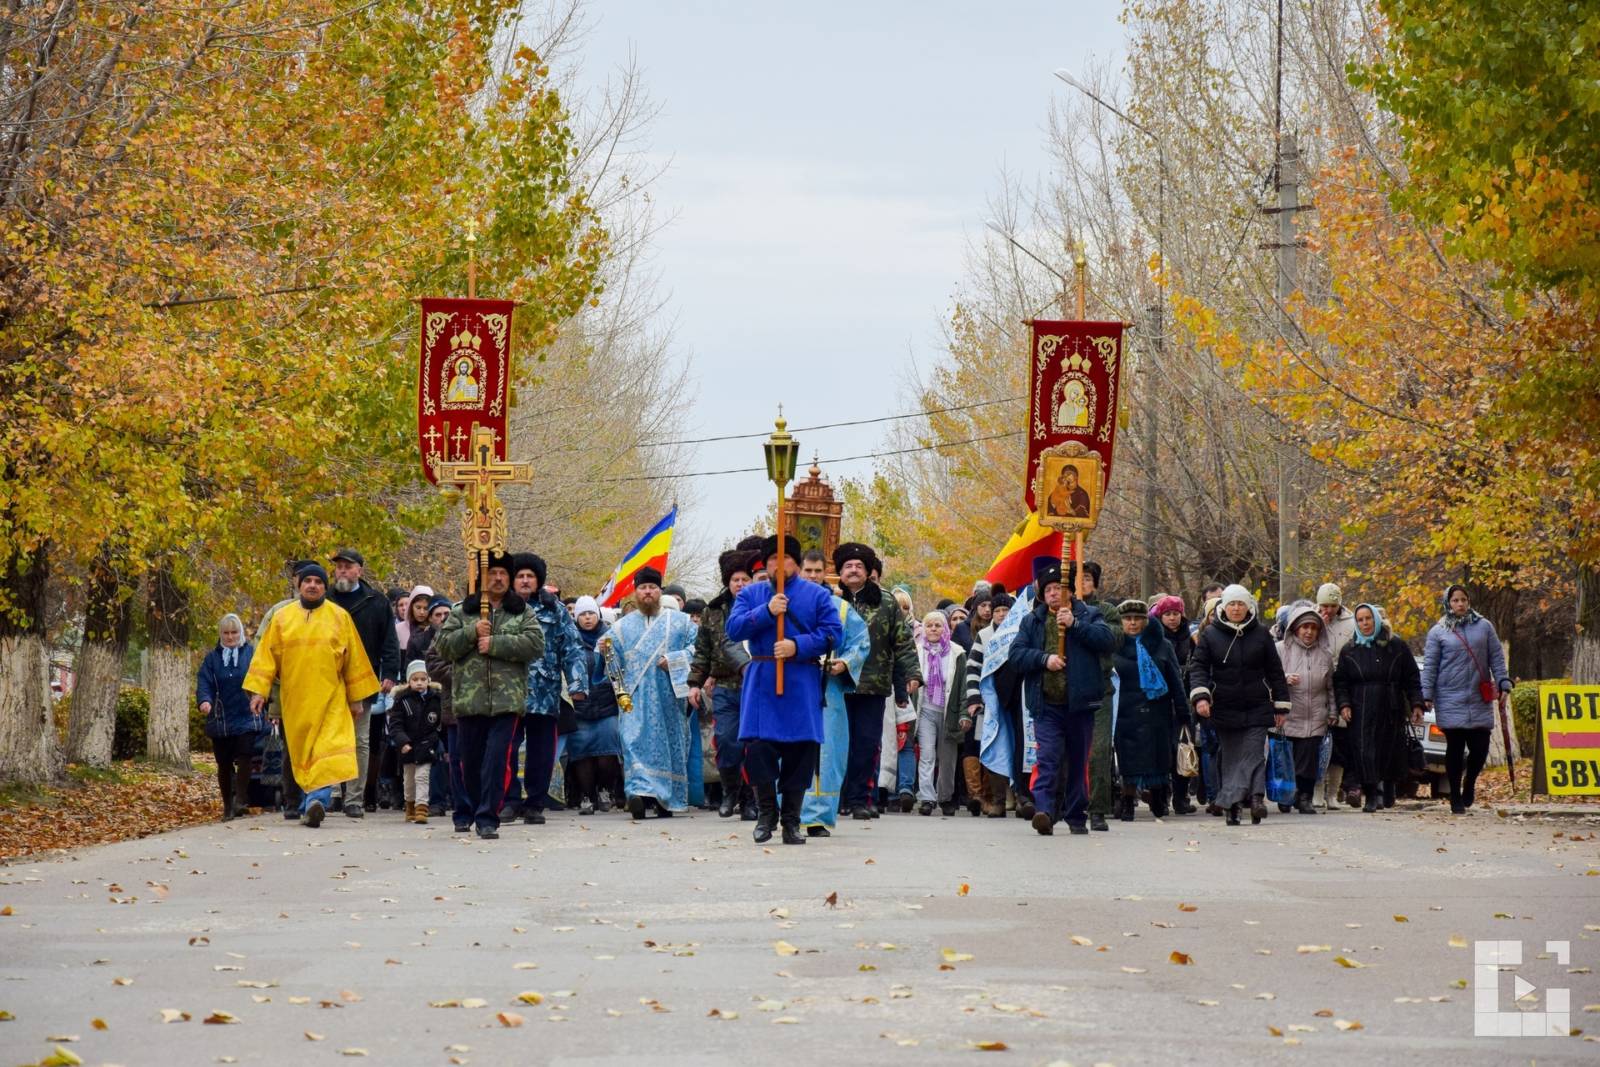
(233, 730)
(1237, 683)
(1378, 688)
(1168, 617)
(594, 748)
(1149, 707)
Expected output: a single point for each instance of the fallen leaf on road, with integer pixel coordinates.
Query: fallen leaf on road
(1401, 919)
(952, 956)
(349, 996)
(1323, 1013)
(1183, 959)
(67, 1038)
(1457, 941)
(173, 1015)
(990, 1046)
(963, 889)
(1188, 907)
(312, 1035)
(1348, 1024)
(783, 948)
(1346, 961)
(509, 1019)
(1274, 1031)
(867, 967)
(220, 1018)
(524, 966)
(1307, 949)
(1133, 970)
(98, 1024)
(122, 981)
(1079, 939)
(61, 1057)
(352, 1052)
(530, 997)
(785, 1020)
(832, 899)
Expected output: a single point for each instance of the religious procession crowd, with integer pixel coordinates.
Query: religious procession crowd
(793, 709)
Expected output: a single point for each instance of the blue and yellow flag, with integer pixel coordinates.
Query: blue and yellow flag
(651, 551)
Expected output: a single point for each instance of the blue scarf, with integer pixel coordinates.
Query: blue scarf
(1150, 680)
(1377, 626)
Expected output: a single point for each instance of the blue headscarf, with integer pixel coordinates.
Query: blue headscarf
(1377, 625)
(1150, 679)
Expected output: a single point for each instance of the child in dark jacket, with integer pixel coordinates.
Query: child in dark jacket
(413, 729)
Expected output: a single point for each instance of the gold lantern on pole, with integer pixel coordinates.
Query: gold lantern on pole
(783, 455)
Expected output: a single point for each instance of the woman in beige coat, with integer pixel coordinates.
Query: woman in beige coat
(1308, 664)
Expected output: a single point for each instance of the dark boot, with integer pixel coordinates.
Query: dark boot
(747, 804)
(1097, 821)
(1370, 805)
(1158, 802)
(766, 814)
(1233, 815)
(818, 831)
(1304, 805)
(1388, 794)
(730, 794)
(1125, 807)
(1258, 809)
(790, 814)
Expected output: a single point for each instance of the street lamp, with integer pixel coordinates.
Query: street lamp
(1147, 573)
(783, 455)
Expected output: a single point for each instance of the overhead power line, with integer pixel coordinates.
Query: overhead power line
(820, 462)
(831, 425)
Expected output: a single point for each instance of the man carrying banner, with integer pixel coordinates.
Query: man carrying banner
(782, 734)
(1064, 689)
(652, 647)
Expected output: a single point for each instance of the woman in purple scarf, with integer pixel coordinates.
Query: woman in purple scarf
(936, 655)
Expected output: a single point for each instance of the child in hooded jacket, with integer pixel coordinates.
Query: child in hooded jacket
(413, 730)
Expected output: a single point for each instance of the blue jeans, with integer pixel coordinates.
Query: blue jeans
(323, 796)
(725, 716)
(905, 768)
(1063, 736)
(696, 761)
(1210, 768)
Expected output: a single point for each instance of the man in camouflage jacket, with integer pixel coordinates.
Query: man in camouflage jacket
(489, 682)
(717, 672)
(891, 668)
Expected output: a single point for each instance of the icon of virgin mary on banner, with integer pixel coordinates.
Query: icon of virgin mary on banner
(1073, 374)
(463, 377)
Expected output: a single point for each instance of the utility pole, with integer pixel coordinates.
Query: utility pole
(1288, 172)
(1150, 371)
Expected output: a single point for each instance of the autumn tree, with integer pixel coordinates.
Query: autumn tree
(217, 222)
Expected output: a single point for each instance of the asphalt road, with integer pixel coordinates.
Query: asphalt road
(668, 942)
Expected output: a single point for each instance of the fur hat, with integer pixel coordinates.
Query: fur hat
(527, 561)
(647, 576)
(732, 562)
(855, 550)
(1046, 571)
(791, 547)
(1132, 608)
(505, 561)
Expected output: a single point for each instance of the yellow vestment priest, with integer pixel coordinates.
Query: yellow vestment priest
(321, 668)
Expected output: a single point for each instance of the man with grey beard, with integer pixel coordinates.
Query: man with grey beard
(374, 619)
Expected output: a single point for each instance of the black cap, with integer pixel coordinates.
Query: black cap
(349, 555)
(647, 576)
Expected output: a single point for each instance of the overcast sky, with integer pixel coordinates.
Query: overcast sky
(829, 163)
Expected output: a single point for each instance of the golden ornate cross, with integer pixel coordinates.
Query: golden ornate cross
(483, 527)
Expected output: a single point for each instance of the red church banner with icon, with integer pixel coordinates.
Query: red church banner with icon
(1073, 371)
(463, 377)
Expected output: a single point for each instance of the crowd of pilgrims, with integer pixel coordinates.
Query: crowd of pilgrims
(1055, 703)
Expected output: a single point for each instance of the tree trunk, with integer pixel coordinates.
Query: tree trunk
(171, 674)
(107, 617)
(29, 752)
(1586, 646)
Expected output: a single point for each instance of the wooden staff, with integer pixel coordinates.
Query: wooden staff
(777, 580)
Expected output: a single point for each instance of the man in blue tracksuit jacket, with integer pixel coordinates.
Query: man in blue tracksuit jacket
(1062, 692)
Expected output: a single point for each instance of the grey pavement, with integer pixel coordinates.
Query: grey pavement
(667, 942)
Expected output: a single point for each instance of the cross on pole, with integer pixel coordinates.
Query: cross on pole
(483, 527)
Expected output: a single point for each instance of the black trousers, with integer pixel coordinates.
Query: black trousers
(233, 767)
(1307, 756)
(486, 764)
(1465, 750)
(788, 765)
(540, 731)
(865, 712)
